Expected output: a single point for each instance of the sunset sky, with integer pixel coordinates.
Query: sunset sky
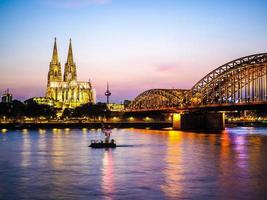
(134, 44)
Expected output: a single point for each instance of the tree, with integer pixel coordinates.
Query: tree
(34, 109)
(13, 109)
(88, 110)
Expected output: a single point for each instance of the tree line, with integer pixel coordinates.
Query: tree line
(30, 108)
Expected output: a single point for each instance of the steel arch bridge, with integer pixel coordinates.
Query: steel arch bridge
(159, 99)
(243, 80)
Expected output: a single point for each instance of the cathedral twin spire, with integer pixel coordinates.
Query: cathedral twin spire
(70, 67)
(54, 73)
(55, 54)
(70, 55)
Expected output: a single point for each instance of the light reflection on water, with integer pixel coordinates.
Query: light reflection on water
(149, 164)
(173, 170)
(26, 152)
(108, 187)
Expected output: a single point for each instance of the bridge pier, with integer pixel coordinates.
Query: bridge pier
(199, 121)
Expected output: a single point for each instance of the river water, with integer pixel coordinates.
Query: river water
(147, 164)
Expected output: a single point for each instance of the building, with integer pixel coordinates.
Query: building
(42, 101)
(64, 89)
(115, 107)
(126, 103)
(7, 97)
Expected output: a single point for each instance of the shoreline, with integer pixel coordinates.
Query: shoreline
(91, 125)
(96, 125)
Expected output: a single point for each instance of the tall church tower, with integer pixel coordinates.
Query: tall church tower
(54, 73)
(70, 67)
(67, 93)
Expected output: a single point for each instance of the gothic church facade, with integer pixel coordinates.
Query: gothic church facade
(65, 90)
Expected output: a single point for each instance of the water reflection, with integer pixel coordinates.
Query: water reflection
(173, 170)
(84, 130)
(26, 149)
(41, 131)
(42, 147)
(108, 187)
(4, 130)
(225, 144)
(241, 152)
(57, 164)
(57, 152)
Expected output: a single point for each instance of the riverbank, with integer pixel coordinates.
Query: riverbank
(96, 125)
(90, 125)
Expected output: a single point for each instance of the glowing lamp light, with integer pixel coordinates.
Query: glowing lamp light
(4, 130)
(177, 121)
(148, 119)
(56, 130)
(131, 119)
(84, 130)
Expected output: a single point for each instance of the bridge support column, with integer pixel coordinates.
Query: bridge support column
(176, 121)
(199, 121)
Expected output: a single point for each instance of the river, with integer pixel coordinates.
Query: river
(147, 164)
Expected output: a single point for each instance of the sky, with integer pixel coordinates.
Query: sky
(136, 45)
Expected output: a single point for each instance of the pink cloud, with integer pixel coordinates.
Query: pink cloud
(167, 68)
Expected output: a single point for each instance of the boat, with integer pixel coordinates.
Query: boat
(98, 145)
(104, 144)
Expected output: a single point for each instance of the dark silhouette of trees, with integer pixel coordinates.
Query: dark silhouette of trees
(13, 109)
(31, 109)
(68, 112)
(34, 109)
(88, 110)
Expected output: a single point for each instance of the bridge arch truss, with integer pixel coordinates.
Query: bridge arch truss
(241, 80)
(159, 99)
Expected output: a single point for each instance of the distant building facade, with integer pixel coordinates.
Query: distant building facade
(7, 97)
(42, 101)
(65, 90)
(126, 103)
(115, 107)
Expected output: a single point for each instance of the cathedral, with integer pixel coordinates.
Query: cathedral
(65, 90)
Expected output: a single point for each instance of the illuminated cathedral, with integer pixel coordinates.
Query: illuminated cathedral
(65, 90)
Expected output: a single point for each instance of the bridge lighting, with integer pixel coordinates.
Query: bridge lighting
(115, 118)
(176, 121)
(148, 118)
(131, 118)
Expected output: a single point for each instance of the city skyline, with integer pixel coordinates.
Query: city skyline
(158, 45)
